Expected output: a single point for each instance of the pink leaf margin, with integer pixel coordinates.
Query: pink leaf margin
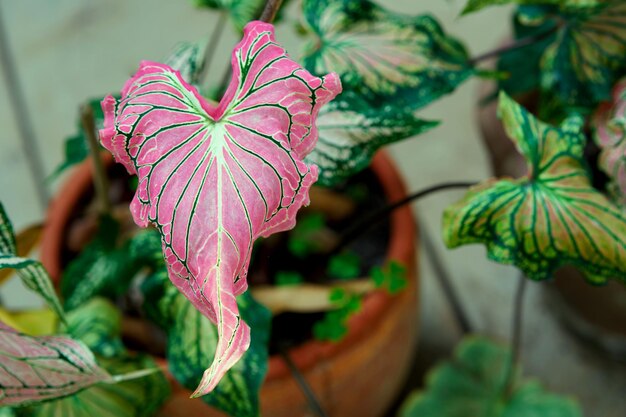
(234, 334)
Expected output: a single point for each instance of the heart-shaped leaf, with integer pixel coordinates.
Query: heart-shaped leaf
(140, 397)
(473, 384)
(609, 125)
(403, 60)
(35, 369)
(31, 272)
(551, 217)
(213, 179)
(352, 128)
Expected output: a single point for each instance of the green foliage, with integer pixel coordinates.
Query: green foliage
(333, 327)
(97, 323)
(473, 384)
(105, 267)
(405, 61)
(31, 272)
(240, 12)
(192, 341)
(288, 278)
(140, 397)
(475, 5)
(346, 265)
(550, 218)
(391, 278)
(76, 147)
(302, 240)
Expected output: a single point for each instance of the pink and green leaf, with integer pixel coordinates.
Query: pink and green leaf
(609, 125)
(550, 218)
(215, 178)
(31, 272)
(35, 369)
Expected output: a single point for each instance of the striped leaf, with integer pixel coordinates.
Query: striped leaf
(187, 58)
(31, 272)
(352, 129)
(550, 218)
(403, 60)
(213, 179)
(35, 369)
(473, 384)
(192, 338)
(609, 125)
(140, 397)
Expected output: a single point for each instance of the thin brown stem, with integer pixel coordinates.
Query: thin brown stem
(101, 183)
(211, 46)
(517, 44)
(271, 8)
(516, 337)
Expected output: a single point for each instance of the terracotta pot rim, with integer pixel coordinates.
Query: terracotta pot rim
(401, 248)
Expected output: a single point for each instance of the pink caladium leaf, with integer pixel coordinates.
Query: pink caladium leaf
(35, 369)
(215, 178)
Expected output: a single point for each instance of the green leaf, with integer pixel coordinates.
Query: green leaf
(391, 278)
(239, 11)
(473, 384)
(333, 327)
(346, 265)
(405, 61)
(98, 324)
(475, 5)
(288, 278)
(302, 241)
(192, 341)
(104, 269)
(188, 59)
(76, 148)
(31, 272)
(549, 218)
(352, 128)
(140, 397)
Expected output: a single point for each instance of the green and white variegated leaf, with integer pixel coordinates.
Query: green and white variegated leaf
(352, 128)
(475, 5)
(140, 397)
(550, 218)
(98, 324)
(473, 384)
(187, 58)
(36, 369)
(405, 60)
(31, 272)
(240, 11)
(192, 340)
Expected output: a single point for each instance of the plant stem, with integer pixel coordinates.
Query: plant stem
(516, 336)
(211, 46)
(314, 403)
(445, 282)
(517, 44)
(22, 116)
(270, 10)
(363, 225)
(99, 175)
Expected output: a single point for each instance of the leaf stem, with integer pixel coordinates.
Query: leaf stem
(101, 183)
(270, 10)
(360, 227)
(211, 46)
(314, 403)
(516, 336)
(517, 44)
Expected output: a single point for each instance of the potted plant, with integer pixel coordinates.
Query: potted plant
(213, 176)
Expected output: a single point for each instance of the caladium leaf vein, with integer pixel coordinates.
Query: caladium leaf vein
(214, 178)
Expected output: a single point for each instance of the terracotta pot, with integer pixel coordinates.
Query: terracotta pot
(359, 376)
(596, 314)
